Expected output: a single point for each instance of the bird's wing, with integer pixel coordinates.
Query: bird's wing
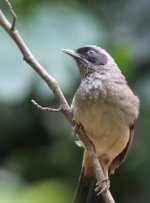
(122, 156)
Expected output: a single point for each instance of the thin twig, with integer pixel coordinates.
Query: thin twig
(47, 109)
(51, 82)
(12, 13)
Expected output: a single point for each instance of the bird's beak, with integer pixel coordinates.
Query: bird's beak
(72, 53)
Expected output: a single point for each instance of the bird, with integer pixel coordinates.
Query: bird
(107, 109)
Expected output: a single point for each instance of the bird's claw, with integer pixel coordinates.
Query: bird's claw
(102, 186)
(75, 129)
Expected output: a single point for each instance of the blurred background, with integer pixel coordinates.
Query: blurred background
(39, 161)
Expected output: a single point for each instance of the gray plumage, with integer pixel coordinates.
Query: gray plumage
(105, 106)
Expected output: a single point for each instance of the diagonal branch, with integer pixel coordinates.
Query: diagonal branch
(47, 109)
(12, 13)
(52, 83)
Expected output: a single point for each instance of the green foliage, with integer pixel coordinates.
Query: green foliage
(39, 160)
(123, 54)
(48, 191)
(14, 190)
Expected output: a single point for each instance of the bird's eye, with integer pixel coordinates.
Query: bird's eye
(90, 52)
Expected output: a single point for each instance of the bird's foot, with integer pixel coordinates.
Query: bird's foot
(102, 186)
(76, 128)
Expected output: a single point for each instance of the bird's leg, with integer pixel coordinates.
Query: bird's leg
(104, 184)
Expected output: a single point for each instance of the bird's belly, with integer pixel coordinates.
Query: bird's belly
(106, 128)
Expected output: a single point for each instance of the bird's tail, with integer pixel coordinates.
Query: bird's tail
(85, 192)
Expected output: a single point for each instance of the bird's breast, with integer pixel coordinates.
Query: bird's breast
(106, 109)
(104, 124)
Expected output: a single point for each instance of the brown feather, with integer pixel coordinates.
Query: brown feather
(85, 192)
(122, 156)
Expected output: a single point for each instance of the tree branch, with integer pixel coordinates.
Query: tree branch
(47, 109)
(12, 13)
(51, 82)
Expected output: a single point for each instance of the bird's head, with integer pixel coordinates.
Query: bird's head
(90, 58)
